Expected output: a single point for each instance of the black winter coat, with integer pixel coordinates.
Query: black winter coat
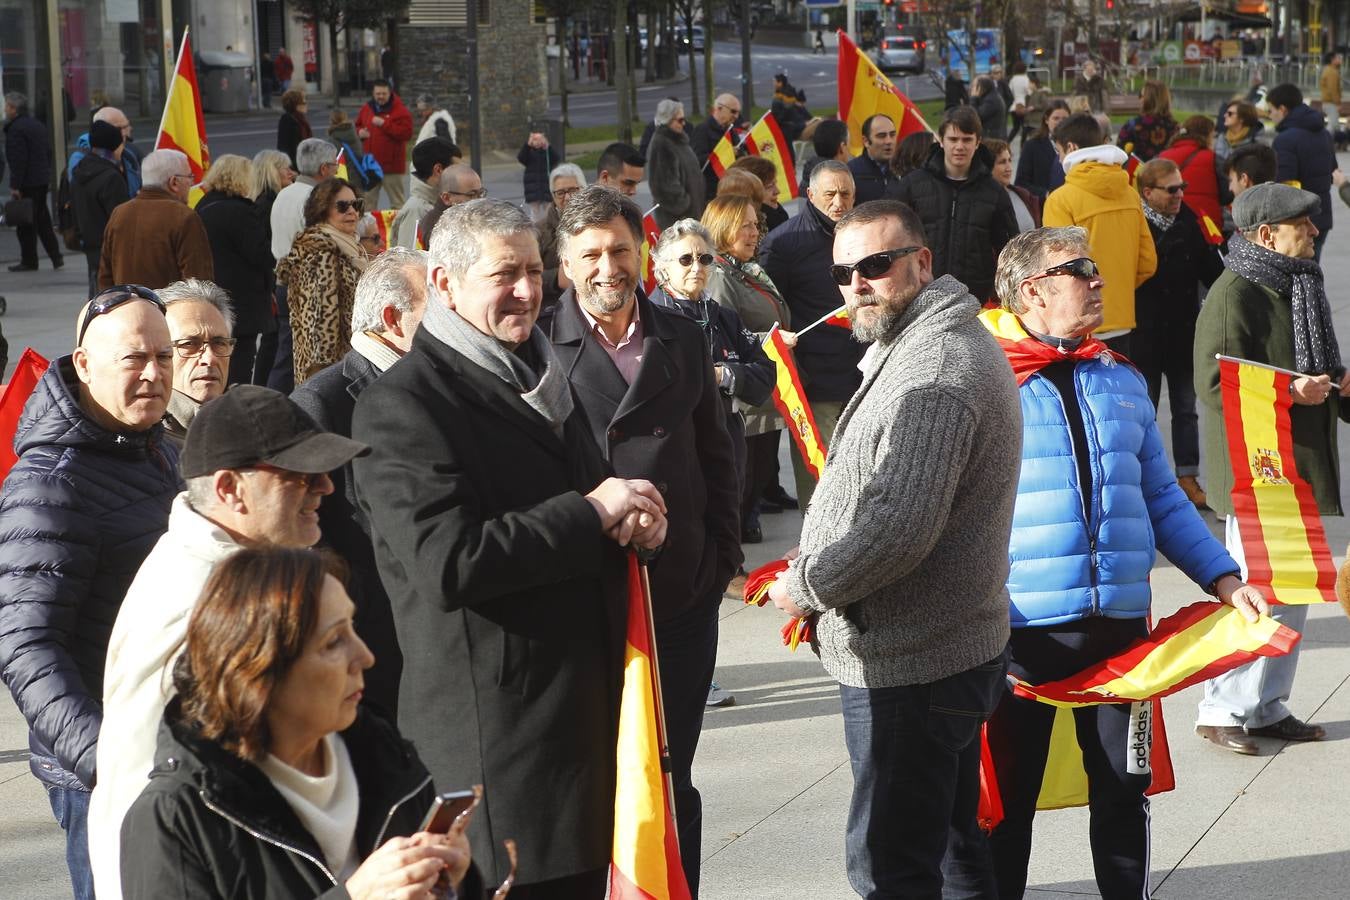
(241, 252)
(870, 178)
(1306, 154)
(537, 163)
(675, 176)
(508, 599)
(967, 222)
(1170, 299)
(79, 513)
(28, 148)
(330, 399)
(668, 427)
(703, 137)
(290, 132)
(993, 115)
(797, 256)
(99, 188)
(211, 826)
(732, 346)
(1038, 168)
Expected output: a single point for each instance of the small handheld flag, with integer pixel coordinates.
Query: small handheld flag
(651, 233)
(790, 400)
(766, 139)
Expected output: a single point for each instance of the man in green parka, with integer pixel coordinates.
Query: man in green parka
(1269, 306)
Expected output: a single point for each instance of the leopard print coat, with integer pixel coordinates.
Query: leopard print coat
(320, 291)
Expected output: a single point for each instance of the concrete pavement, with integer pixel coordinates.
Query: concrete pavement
(773, 769)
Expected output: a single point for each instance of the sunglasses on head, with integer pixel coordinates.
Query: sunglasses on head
(343, 206)
(873, 266)
(113, 297)
(687, 259)
(1082, 267)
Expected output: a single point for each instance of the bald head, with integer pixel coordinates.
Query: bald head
(116, 118)
(459, 184)
(125, 366)
(726, 109)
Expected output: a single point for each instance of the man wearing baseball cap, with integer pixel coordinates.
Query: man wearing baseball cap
(256, 467)
(1270, 307)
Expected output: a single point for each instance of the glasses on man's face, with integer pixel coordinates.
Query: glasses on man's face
(472, 195)
(680, 119)
(113, 297)
(187, 348)
(734, 110)
(564, 193)
(308, 480)
(343, 206)
(1082, 268)
(873, 266)
(1172, 189)
(688, 259)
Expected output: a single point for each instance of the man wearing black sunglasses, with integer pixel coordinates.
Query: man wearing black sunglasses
(87, 499)
(903, 556)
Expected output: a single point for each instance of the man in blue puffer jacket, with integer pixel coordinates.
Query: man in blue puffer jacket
(1095, 500)
(79, 512)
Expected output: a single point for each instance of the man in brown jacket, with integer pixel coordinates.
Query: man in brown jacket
(155, 239)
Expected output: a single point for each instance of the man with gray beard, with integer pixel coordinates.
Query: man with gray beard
(904, 557)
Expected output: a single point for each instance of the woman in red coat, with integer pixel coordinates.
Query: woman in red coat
(1191, 150)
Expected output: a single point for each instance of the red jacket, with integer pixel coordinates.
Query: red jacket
(1202, 180)
(387, 142)
(282, 67)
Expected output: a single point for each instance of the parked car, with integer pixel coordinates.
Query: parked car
(682, 37)
(901, 53)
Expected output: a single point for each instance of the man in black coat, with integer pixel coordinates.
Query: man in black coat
(872, 172)
(99, 187)
(966, 214)
(1305, 150)
(704, 136)
(498, 537)
(29, 150)
(797, 255)
(644, 383)
(79, 512)
(390, 300)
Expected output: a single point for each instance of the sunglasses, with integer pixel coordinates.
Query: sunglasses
(190, 347)
(113, 297)
(1082, 267)
(343, 206)
(873, 266)
(1173, 189)
(687, 259)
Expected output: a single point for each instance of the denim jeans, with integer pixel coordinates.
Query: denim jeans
(915, 753)
(71, 808)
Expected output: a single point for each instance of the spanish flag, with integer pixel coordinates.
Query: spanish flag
(651, 233)
(384, 221)
(864, 91)
(1213, 233)
(790, 399)
(723, 153)
(1132, 164)
(645, 862)
(27, 372)
(766, 139)
(756, 593)
(343, 171)
(840, 318)
(182, 127)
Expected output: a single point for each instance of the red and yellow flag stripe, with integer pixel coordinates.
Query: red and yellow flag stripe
(651, 233)
(790, 400)
(865, 91)
(766, 139)
(384, 223)
(182, 126)
(1282, 536)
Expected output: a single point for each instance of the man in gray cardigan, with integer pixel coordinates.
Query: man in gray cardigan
(904, 557)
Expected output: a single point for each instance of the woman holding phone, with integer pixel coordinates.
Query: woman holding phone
(270, 780)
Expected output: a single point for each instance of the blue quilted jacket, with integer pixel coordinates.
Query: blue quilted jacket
(1067, 564)
(79, 512)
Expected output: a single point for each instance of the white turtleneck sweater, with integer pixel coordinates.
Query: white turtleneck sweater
(326, 805)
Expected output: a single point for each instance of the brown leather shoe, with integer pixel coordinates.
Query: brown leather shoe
(1229, 737)
(1190, 486)
(1290, 728)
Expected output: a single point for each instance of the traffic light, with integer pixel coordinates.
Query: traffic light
(1110, 4)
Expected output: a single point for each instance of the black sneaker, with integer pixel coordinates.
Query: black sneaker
(23, 267)
(780, 498)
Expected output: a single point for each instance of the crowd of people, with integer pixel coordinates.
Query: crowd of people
(311, 519)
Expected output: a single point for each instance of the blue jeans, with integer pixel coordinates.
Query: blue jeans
(71, 808)
(915, 753)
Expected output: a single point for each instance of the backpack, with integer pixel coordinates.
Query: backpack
(367, 170)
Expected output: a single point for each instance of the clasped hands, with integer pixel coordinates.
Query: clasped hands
(631, 510)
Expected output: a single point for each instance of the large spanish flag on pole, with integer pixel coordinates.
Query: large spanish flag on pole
(790, 399)
(645, 861)
(182, 127)
(766, 139)
(865, 91)
(1282, 536)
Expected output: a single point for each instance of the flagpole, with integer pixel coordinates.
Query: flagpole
(1247, 362)
(739, 144)
(663, 745)
(655, 207)
(829, 315)
(168, 88)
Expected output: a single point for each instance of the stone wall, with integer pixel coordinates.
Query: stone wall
(512, 77)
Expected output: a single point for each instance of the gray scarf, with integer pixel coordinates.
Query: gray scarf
(1315, 349)
(1160, 221)
(549, 396)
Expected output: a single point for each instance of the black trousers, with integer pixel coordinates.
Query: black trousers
(1019, 736)
(761, 473)
(40, 228)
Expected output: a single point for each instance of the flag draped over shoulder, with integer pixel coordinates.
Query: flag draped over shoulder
(182, 127)
(651, 233)
(864, 91)
(646, 855)
(790, 400)
(27, 372)
(766, 139)
(1282, 536)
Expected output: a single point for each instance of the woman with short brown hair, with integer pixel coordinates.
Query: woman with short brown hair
(293, 125)
(270, 780)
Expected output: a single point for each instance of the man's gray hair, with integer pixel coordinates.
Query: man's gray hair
(666, 110)
(677, 232)
(453, 178)
(567, 170)
(1024, 257)
(397, 278)
(201, 492)
(457, 240)
(312, 155)
(199, 289)
(829, 165)
(161, 165)
(105, 114)
(17, 100)
(593, 207)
